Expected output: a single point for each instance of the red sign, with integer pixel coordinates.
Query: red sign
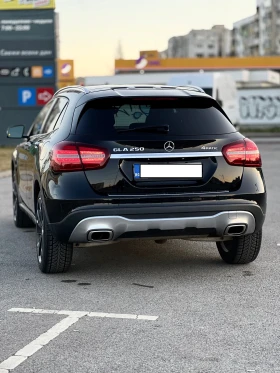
(44, 95)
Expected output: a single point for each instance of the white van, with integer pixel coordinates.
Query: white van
(220, 86)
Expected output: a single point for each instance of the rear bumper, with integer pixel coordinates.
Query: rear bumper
(159, 220)
(121, 228)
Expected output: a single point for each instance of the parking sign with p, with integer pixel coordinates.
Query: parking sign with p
(27, 96)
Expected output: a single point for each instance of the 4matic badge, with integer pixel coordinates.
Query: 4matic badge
(209, 148)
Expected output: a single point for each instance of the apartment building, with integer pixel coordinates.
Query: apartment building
(259, 34)
(215, 42)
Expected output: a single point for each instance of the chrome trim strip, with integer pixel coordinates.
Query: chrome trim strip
(165, 155)
(120, 225)
(188, 195)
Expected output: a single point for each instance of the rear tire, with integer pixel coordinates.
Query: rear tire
(53, 256)
(21, 220)
(241, 250)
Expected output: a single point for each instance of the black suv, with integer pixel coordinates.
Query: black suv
(109, 163)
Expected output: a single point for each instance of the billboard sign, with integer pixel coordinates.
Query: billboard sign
(27, 49)
(19, 24)
(26, 4)
(151, 61)
(65, 70)
(28, 43)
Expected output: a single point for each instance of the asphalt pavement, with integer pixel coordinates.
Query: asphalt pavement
(199, 314)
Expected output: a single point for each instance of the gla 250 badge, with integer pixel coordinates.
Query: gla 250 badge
(129, 150)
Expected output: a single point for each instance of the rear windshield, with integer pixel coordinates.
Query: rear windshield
(109, 118)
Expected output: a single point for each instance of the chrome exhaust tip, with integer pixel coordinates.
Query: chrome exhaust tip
(235, 230)
(100, 235)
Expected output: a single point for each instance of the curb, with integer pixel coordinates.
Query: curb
(5, 174)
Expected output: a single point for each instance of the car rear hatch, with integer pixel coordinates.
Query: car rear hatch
(158, 146)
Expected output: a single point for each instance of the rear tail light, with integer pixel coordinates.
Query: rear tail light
(242, 153)
(74, 157)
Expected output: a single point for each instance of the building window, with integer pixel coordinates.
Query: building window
(199, 55)
(212, 55)
(210, 46)
(199, 45)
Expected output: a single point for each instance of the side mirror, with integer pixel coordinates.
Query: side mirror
(15, 132)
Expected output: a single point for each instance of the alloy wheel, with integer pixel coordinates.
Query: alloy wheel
(15, 199)
(39, 229)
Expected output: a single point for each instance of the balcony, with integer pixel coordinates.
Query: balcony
(254, 42)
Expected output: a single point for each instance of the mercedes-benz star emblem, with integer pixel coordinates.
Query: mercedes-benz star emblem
(169, 146)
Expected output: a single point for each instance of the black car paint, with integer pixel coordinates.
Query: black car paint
(71, 196)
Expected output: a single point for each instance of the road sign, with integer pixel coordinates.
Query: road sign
(26, 72)
(26, 96)
(15, 73)
(48, 72)
(5, 72)
(37, 71)
(44, 95)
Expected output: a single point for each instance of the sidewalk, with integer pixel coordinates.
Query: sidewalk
(4, 174)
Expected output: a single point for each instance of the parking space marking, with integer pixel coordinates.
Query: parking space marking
(82, 314)
(72, 317)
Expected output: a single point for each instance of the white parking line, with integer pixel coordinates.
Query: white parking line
(278, 244)
(72, 317)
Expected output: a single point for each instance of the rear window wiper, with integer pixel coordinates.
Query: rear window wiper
(164, 129)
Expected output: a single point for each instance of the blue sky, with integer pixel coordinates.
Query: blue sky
(90, 29)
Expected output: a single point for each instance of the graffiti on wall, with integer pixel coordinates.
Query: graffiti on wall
(259, 106)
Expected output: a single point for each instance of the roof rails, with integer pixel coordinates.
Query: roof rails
(82, 89)
(156, 86)
(73, 88)
(191, 88)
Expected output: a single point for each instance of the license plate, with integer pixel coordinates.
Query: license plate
(170, 171)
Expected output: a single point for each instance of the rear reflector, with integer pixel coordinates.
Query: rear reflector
(242, 153)
(74, 157)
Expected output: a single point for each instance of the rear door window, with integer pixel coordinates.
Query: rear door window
(55, 114)
(107, 118)
(39, 121)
